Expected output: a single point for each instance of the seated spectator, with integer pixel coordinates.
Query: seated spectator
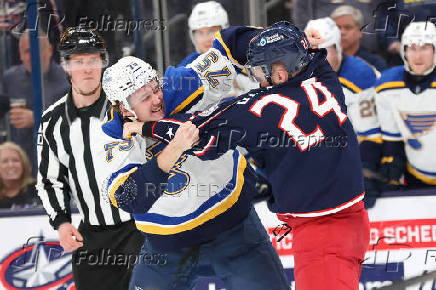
(17, 187)
(350, 20)
(17, 84)
(304, 10)
(406, 110)
(357, 79)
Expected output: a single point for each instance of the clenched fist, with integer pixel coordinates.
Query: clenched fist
(186, 136)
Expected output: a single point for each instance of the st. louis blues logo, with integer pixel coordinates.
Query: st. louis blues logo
(178, 179)
(39, 265)
(418, 124)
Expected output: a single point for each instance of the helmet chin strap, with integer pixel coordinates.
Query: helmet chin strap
(269, 80)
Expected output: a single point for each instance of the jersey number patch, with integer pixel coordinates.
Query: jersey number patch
(211, 76)
(291, 107)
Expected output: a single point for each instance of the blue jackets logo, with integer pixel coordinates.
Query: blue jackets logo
(39, 265)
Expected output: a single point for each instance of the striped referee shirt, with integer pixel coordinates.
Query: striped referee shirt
(69, 139)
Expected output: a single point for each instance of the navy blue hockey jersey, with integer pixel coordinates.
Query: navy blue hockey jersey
(298, 130)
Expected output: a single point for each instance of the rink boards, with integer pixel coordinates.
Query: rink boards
(402, 245)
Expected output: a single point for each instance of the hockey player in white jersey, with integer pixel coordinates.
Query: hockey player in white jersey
(406, 108)
(205, 20)
(355, 76)
(357, 79)
(202, 218)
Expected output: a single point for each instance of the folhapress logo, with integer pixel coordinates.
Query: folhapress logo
(39, 265)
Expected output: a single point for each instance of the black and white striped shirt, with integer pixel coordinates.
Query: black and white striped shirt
(69, 141)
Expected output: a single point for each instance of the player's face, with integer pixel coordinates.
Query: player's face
(420, 58)
(350, 31)
(203, 37)
(333, 57)
(148, 103)
(85, 72)
(10, 165)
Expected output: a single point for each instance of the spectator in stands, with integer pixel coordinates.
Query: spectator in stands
(17, 188)
(17, 84)
(406, 110)
(350, 21)
(305, 10)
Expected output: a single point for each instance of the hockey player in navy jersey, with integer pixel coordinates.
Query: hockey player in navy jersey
(198, 218)
(315, 169)
(357, 79)
(406, 108)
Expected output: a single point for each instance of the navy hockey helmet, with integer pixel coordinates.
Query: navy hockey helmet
(281, 42)
(77, 40)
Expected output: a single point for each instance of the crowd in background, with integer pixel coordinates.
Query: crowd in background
(370, 31)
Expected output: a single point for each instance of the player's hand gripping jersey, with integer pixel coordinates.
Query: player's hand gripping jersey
(299, 129)
(194, 202)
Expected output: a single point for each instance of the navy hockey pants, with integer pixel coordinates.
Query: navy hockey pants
(242, 257)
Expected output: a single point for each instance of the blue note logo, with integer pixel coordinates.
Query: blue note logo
(39, 265)
(418, 124)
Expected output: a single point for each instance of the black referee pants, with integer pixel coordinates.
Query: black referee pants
(107, 257)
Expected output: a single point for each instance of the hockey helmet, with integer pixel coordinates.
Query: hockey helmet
(328, 30)
(77, 40)
(125, 77)
(207, 14)
(418, 33)
(281, 42)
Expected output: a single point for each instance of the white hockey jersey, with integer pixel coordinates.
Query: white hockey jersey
(198, 200)
(407, 112)
(357, 79)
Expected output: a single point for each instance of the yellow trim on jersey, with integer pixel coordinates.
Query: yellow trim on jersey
(389, 85)
(350, 85)
(433, 84)
(112, 116)
(188, 100)
(224, 206)
(117, 184)
(387, 159)
(229, 54)
(420, 176)
(377, 140)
